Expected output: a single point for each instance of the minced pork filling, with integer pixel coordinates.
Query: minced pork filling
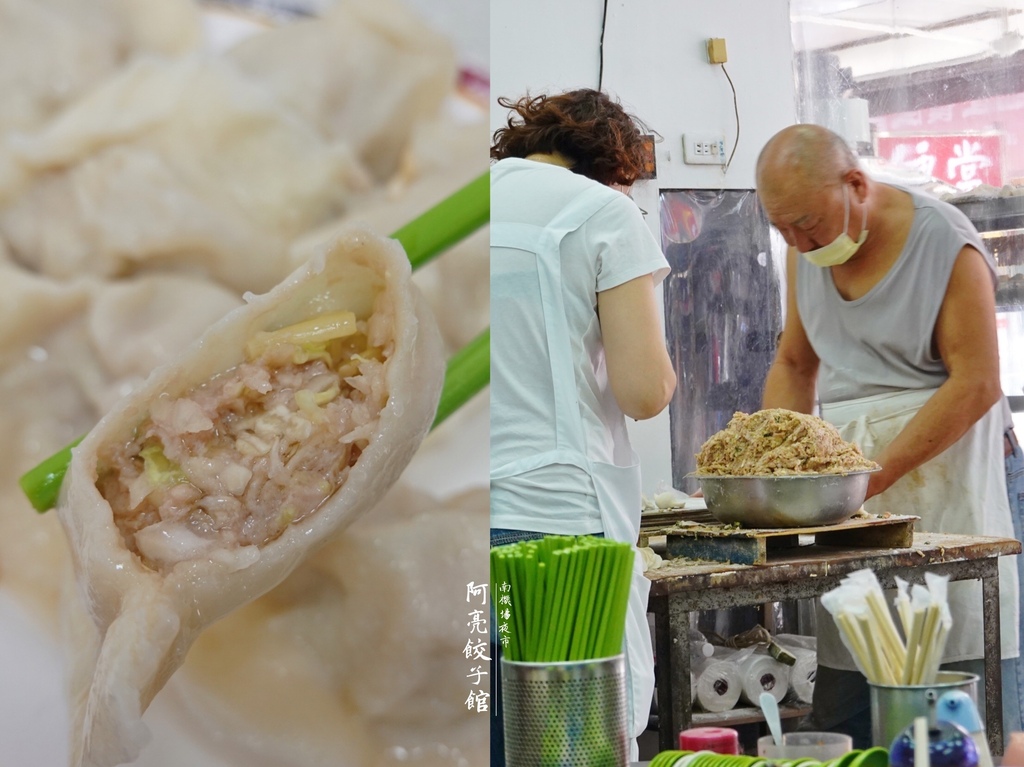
(779, 442)
(236, 460)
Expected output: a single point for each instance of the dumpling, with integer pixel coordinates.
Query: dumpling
(134, 325)
(209, 484)
(443, 154)
(367, 72)
(358, 657)
(68, 351)
(52, 51)
(185, 165)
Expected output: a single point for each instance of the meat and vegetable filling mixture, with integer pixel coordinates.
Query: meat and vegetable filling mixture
(779, 442)
(236, 460)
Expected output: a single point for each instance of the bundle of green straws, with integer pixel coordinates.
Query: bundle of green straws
(561, 598)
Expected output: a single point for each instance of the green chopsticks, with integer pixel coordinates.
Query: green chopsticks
(451, 220)
(469, 371)
(423, 238)
(42, 484)
(561, 598)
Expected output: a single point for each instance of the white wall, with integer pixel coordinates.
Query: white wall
(655, 63)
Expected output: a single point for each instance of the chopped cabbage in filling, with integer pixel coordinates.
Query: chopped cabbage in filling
(236, 460)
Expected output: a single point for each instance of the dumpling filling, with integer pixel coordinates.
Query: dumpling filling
(234, 461)
(779, 442)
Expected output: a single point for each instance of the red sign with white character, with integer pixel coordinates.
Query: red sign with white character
(962, 160)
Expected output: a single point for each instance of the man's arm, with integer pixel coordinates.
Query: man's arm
(791, 379)
(965, 336)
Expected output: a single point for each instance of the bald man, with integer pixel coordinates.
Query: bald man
(890, 329)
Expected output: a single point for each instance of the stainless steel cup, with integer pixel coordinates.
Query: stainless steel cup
(894, 707)
(565, 714)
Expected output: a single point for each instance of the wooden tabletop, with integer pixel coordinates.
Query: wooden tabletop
(817, 561)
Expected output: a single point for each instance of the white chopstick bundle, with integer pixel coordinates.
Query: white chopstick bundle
(926, 622)
(867, 629)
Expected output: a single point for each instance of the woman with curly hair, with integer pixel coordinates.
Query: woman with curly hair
(585, 126)
(577, 342)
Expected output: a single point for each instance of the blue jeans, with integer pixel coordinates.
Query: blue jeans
(1013, 704)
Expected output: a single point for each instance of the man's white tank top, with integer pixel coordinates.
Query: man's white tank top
(882, 341)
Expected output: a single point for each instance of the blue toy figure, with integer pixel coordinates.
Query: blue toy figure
(956, 706)
(949, 745)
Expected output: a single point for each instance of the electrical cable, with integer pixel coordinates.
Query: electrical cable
(736, 109)
(600, 49)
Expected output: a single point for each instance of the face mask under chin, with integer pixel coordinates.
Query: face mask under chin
(842, 248)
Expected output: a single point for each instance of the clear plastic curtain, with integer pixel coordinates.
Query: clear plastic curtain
(723, 312)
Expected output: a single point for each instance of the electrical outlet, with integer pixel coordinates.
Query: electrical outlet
(704, 149)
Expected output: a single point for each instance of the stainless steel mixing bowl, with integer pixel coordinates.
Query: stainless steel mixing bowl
(800, 500)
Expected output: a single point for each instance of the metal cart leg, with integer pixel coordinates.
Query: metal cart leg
(993, 665)
(672, 644)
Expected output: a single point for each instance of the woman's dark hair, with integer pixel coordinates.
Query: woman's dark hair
(587, 127)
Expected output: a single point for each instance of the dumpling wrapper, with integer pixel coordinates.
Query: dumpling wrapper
(146, 620)
(293, 679)
(442, 154)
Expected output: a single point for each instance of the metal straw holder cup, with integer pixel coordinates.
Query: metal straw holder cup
(894, 707)
(562, 714)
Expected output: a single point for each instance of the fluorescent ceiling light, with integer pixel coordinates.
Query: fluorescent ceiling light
(1008, 43)
(888, 29)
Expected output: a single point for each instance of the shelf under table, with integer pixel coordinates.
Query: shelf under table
(680, 587)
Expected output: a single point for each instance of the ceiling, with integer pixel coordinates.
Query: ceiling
(874, 38)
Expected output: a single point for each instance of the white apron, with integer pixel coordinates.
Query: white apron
(617, 487)
(960, 491)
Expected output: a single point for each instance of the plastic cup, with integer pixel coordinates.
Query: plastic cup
(820, 746)
(721, 740)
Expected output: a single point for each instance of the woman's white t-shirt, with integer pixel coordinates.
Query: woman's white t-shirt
(611, 248)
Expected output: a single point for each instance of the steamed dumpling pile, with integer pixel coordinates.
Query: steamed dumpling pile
(182, 164)
(53, 51)
(133, 217)
(366, 74)
(216, 163)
